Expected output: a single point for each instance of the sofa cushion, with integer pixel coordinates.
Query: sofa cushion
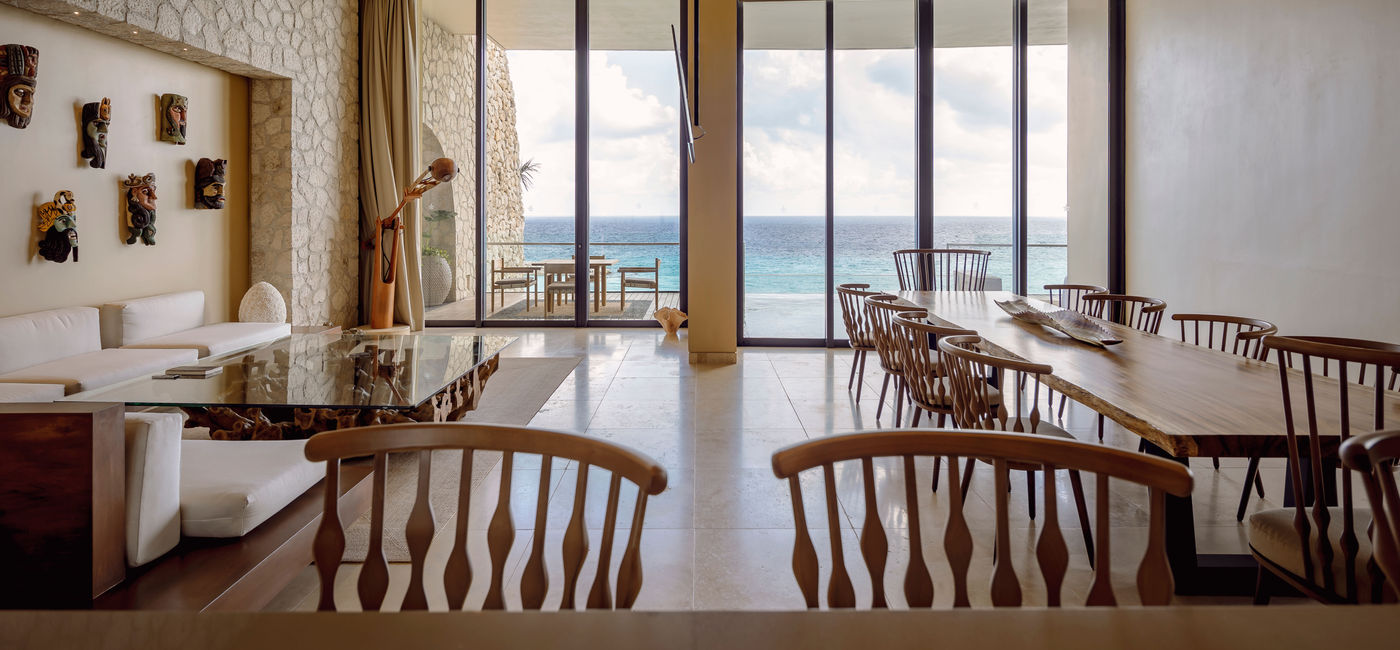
(152, 485)
(131, 321)
(43, 336)
(219, 338)
(100, 368)
(228, 487)
(12, 392)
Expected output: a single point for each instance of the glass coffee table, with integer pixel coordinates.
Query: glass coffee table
(307, 383)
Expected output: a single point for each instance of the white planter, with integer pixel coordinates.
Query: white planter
(437, 280)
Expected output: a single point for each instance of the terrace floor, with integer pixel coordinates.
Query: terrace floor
(640, 305)
(721, 535)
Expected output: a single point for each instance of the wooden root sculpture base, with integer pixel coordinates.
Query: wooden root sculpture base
(292, 423)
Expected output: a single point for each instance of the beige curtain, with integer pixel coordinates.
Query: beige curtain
(389, 158)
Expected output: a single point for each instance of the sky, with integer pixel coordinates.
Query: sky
(634, 125)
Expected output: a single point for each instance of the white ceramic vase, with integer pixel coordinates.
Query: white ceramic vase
(437, 280)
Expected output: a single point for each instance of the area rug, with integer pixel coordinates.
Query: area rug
(513, 395)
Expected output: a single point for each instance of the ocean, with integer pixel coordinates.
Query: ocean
(785, 255)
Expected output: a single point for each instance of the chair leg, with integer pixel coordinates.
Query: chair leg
(1062, 406)
(898, 400)
(967, 477)
(1251, 475)
(884, 386)
(1077, 486)
(1030, 493)
(1215, 460)
(1258, 480)
(937, 468)
(861, 385)
(1263, 587)
(942, 417)
(849, 384)
(915, 420)
(1100, 427)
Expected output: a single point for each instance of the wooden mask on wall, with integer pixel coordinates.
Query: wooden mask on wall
(58, 220)
(141, 208)
(19, 70)
(209, 183)
(173, 111)
(97, 116)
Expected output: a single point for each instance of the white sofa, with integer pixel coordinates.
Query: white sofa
(64, 346)
(176, 320)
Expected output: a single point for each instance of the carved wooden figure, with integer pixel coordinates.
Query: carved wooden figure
(97, 116)
(141, 208)
(58, 220)
(173, 111)
(209, 183)
(19, 71)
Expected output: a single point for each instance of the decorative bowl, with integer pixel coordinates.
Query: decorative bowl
(1072, 323)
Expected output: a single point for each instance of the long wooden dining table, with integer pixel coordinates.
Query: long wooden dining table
(1185, 400)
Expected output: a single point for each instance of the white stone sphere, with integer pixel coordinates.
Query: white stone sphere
(262, 304)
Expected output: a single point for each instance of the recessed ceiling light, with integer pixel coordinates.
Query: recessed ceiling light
(76, 13)
(133, 31)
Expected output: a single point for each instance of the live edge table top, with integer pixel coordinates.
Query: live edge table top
(1186, 399)
(310, 382)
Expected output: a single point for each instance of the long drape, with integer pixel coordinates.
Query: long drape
(389, 157)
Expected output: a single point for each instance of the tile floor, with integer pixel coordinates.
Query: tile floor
(721, 535)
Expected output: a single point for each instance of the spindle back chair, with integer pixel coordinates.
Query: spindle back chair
(881, 310)
(858, 328)
(1160, 476)
(1318, 561)
(1138, 312)
(1375, 456)
(422, 439)
(1071, 296)
(941, 269)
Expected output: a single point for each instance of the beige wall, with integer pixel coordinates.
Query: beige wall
(196, 249)
(1088, 142)
(1263, 157)
(713, 222)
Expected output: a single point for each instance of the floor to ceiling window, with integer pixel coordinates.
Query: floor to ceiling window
(828, 198)
(558, 181)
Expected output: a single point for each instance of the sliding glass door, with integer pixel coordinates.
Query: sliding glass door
(871, 126)
(565, 119)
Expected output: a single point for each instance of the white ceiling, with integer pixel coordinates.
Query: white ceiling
(645, 24)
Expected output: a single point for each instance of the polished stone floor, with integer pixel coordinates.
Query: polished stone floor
(721, 535)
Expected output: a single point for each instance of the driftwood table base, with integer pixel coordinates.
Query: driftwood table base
(294, 423)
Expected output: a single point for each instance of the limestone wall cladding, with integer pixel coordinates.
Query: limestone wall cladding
(447, 84)
(303, 57)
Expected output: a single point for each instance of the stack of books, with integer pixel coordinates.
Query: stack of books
(195, 372)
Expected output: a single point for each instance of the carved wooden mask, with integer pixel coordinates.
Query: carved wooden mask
(19, 70)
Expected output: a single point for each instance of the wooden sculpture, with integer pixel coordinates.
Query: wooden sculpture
(19, 72)
(58, 220)
(385, 242)
(670, 319)
(97, 116)
(209, 183)
(141, 208)
(173, 112)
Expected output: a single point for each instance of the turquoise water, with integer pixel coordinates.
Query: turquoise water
(786, 255)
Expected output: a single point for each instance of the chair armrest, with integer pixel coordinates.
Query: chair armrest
(637, 269)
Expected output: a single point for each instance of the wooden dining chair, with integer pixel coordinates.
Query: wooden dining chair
(941, 269)
(1003, 451)
(1240, 336)
(422, 439)
(1302, 545)
(880, 310)
(974, 375)
(1138, 312)
(1071, 296)
(643, 277)
(1375, 457)
(512, 277)
(559, 283)
(858, 328)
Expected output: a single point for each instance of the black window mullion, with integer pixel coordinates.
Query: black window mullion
(1020, 221)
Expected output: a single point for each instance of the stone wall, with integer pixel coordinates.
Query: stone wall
(303, 58)
(448, 86)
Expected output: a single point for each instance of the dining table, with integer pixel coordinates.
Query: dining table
(598, 269)
(1185, 400)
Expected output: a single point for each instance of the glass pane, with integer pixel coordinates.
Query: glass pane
(972, 144)
(634, 160)
(447, 87)
(784, 179)
(876, 158)
(530, 162)
(1047, 141)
